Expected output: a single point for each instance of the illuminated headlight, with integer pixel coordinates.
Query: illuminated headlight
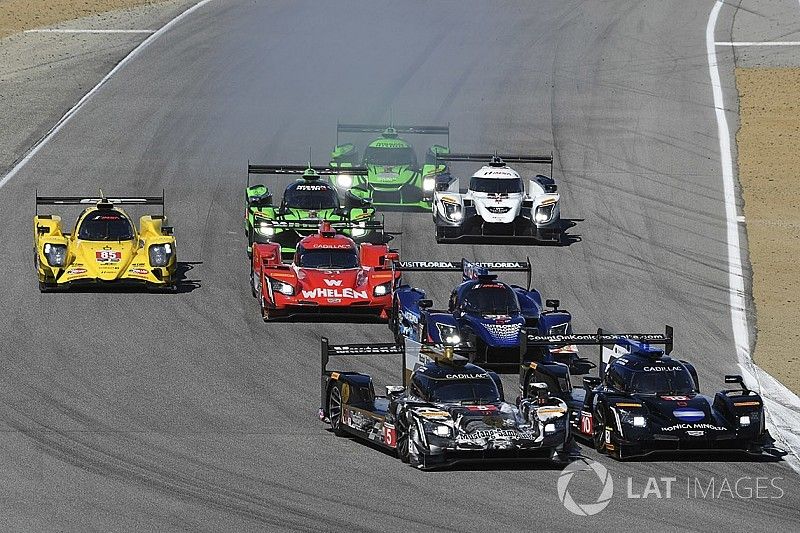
(550, 428)
(265, 228)
(344, 181)
(543, 213)
(382, 289)
(281, 287)
(631, 419)
(744, 420)
(453, 211)
(56, 254)
(428, 184)
(639, 421)
(440, 430)
(160, 254)
(449, 334)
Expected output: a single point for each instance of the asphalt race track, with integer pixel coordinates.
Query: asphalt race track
(159, 412)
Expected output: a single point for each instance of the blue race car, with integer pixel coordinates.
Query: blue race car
(485, 313)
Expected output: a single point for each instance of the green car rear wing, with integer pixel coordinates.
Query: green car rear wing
(303, 170)
(405, 130)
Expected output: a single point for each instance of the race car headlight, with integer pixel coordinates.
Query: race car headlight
(56, 254)
(344, 181)
(428, 183)
(632, 419)
(448, 334)
(265, 228)
(281, 287)
(543, 213)
(440, 430)
(453, 211)
(549, 428)
(744, 420)
(383, 289)
(160, 254)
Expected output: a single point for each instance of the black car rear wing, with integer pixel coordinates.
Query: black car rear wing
(465, 267)
(315, 223)
(101, 201)
(497, 159)
(413, 354)
(603, 340)
(299, 170)
(405, 129)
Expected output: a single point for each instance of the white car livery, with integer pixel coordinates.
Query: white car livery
(498, 201)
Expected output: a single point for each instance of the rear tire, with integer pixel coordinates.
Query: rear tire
(253, 281)
(335, 409)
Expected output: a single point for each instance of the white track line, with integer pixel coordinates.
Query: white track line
(757, 43)
(69, 30)
(783, 406)
(71, 113)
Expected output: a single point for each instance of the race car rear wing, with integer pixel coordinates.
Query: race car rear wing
(405, 130)
(469, 269)
(299, 170)
(612, 345)
(101, 201)
(315, 223)
(413, 355)
(497, 159)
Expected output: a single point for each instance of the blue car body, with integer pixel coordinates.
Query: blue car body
(491, 315)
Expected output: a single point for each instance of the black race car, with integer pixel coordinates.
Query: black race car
(645, 401)
(448, 410)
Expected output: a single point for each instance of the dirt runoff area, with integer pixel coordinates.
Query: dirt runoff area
(769, 171)
(20, 15)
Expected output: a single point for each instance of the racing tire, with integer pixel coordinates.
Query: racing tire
(46, 287)
(394, 321)
(402, 444)
(265, 313)
(416, 457)
(335, 409)
(599, 433)
(253, 281)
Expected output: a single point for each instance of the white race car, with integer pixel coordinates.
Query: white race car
(498, 202)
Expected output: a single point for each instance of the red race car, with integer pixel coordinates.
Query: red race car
(329, 276)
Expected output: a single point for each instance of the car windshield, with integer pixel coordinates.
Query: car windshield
(306, 196)
(494, 299)
(390, 157)
(496, 185)
(478, 391)
(328, 258)
(661, 382)
(105, 226)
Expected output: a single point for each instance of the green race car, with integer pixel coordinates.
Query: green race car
(306, 202)
(395, 177)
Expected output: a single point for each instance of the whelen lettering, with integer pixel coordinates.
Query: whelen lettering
(347, 293)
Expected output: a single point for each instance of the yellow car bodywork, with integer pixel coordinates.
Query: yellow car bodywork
(101, 262)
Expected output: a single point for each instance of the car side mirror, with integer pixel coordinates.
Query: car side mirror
(393, 391)
(553, 304)
(591, 383)
(538, 391)
(425, 304)
(167, 230)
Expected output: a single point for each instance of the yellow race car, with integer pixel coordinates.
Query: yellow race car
(104, 248)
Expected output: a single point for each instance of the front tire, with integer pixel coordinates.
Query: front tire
(335, 409)
(599, 433)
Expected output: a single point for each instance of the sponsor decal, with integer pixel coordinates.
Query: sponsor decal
(311, 188)
(346, 293)
(329, 245)
(433, 413)
(678, 427)
(467, 376)
(108, 256)
(689, 415)
(695, 433)
(334, 300)
(482, 408)
(428, 264)
(676, 398)
(138, 271)
(333, 282)
(351, 349)
(661, 368)
(76, 271)
(489, 434)
(491, 265)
